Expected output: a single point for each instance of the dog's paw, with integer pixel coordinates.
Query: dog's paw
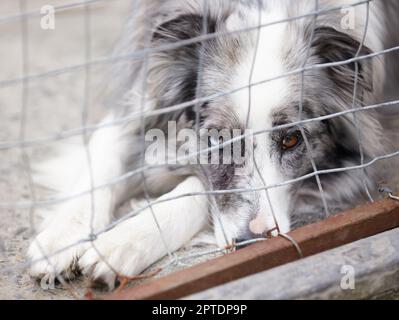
(55, 251)
(110, 257)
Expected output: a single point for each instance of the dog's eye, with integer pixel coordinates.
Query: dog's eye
(291, 140)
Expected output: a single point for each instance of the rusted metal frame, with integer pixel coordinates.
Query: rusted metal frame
(353, 225)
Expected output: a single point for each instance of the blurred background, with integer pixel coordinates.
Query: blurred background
(53, 104)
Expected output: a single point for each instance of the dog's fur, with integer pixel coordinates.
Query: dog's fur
(177, 75)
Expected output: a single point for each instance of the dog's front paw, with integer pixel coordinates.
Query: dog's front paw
(55, 251)
(111, 256)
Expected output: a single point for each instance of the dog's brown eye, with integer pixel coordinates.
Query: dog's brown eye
(292, 140)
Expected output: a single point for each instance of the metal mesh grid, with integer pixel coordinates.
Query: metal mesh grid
(24, 142)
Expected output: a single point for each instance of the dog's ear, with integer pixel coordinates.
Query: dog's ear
(332, 46)
(174, 71)
(183, 27)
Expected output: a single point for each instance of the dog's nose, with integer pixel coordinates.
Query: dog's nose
(258, 225)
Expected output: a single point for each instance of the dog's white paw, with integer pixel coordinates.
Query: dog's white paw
(55, 252)
(111, 256)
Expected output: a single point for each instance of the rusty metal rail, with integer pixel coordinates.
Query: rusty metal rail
(353, 225)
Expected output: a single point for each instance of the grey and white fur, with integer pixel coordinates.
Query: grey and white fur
(164, 78)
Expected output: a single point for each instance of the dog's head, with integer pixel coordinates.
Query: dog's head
(255, 82)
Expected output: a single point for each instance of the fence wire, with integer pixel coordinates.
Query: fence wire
(85, 130)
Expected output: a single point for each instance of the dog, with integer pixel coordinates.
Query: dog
(248, 58)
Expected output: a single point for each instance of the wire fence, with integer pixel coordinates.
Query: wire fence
(24, 142)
